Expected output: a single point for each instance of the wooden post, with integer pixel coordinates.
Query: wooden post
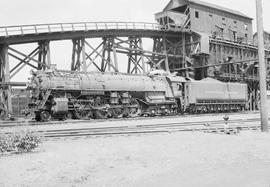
(5, 76)
(84, 66)
(262, 69)
(142, 57)
(166, 57)
(48, 54)
(115, 56)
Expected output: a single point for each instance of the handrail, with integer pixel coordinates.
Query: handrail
(80, 26)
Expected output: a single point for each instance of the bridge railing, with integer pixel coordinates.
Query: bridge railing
(81, 26)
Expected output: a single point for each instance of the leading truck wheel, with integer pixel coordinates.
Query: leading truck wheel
(45, 116)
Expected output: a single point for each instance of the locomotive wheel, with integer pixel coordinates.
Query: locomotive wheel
(37, 116)
(105, 111)
(153, 113)
(82, 114)
(118, 112)
(194, 110)
(62, 117)
(70, 115)
(101, 114)
(134, 109)
(203, 110)
(125, 112)
(45, 116)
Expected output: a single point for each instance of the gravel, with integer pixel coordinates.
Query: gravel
(173, 159)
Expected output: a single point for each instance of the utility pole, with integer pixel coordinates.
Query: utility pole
(262, 68)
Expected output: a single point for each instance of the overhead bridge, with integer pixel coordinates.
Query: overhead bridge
(117, 37)
(64, 31)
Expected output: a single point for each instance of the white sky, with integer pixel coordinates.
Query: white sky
(15, 12)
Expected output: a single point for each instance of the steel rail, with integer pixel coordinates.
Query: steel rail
(4, 124)
(202, 126)
(157, 128)
(173, 124)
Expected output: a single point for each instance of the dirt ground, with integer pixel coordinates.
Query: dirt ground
(176, 159)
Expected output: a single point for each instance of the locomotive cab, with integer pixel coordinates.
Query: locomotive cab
(178, 88)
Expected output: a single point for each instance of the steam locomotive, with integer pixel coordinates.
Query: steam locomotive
(84, 95)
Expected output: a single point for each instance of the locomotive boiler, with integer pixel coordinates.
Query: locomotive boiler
(79, 95)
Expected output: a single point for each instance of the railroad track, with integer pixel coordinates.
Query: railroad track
(26, 122)
(209, 126)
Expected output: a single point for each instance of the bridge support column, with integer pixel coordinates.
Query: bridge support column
(136, 63)
(44, 55)
(157, 48)
(142, 57)
(79, 55)
(166, 55)
(84, 67)
(77, 52)
(254, 99)
(112, 62)
(5, 91)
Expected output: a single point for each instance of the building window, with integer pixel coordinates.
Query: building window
(196, 14)
(246, 38)
(221, 32)
(234, 35)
